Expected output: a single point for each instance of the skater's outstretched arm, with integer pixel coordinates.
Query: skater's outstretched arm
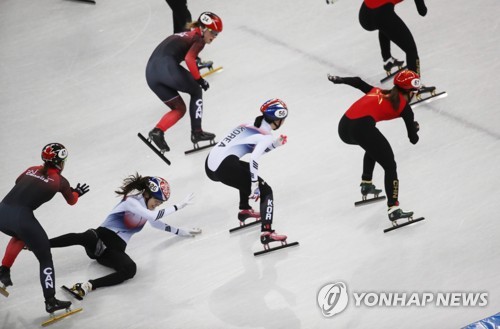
(355, 82)
(412, 126)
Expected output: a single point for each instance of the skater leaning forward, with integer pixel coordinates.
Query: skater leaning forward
(34, 187)
(223, 164)
(358, 127)
(166, 77)
(108, 242)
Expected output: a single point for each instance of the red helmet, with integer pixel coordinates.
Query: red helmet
(210, 21)
(407, 80)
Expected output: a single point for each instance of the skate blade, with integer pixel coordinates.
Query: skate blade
(245, 226)
(72, 293)
(154, 149)
(4, 291)
(54, 318)
(199, 148)
(210, 72)
(368, 201)
(409, 222)
(265, 251)
(429, 99)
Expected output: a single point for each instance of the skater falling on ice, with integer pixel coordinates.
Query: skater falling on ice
(108, 242)
(224, 164)
(380, 15)
(358, 127)
(34, 187)
(166, 78)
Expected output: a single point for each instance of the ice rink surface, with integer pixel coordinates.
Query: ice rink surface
(74, 73)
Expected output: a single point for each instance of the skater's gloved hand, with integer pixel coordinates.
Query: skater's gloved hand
(417, 126)
(203, 83)
(80, 189)
(421, 8)
(414, 139)
(255, 191)
(280, 141)
(335, 79)
(187, 201)
(189, 232)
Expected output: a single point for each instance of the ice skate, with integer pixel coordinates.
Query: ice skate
(396, 213)
(157, 136)
(271, 236)
(368, 188)
(427, 94)
(5, 276)
(391, 63)
(200, 136)
(244, 214)
(53, 304)
(79, 290)
(153, 148)
(204, 64)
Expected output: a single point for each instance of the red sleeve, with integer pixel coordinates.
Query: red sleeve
(70, 196)
(191, 58)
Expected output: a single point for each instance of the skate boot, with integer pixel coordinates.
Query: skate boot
(391, 63)
(52, 305)
(396, 213)
(200, 135)
(157, 136)
(424, 90)
(204, 64)
(244, 214)
(5, 276)
(81, 289)
(271, 236)
(368, 188)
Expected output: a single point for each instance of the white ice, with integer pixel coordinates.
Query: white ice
(74, 73)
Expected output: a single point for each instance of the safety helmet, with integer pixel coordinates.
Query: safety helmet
(54, 154)
(274, 109)
(159, 188)
(407, 80)
(210, 21)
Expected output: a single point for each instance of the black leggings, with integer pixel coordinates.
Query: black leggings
(180, 14)
(390, 28)
(364, 133)
(107, 248)
(166, 78)
(20, 222)
(236, 173)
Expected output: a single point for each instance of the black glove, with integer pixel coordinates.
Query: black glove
(335, 79)
(81, 189)
(421, 8)
(203, 83)
(417, 126)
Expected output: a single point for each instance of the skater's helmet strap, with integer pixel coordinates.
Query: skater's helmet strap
(210, 21)
(159, 188)
(54, 154)
(407, 80)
